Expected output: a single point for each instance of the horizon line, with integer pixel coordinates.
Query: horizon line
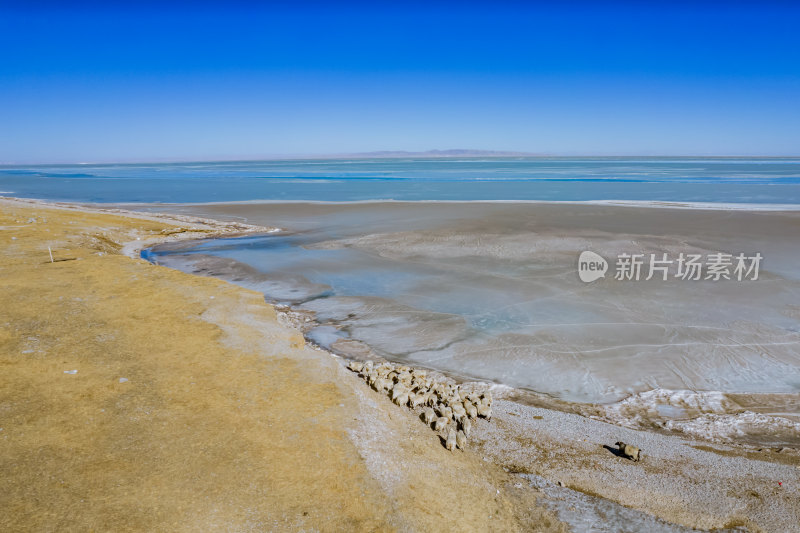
(392, 154)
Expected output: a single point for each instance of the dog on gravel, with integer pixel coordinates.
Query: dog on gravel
(629, 451)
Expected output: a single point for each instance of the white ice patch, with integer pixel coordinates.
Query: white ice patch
(728, 427)
(709, 415)
(499, 390)
(637, 409)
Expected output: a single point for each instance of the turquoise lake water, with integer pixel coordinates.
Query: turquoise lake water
(724, 180)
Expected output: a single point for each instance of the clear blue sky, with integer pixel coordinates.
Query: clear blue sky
(164, 81)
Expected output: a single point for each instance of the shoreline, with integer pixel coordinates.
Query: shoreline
(701, 411)
(610, 412)
(707, 484)
(703, 206)
(520, 403)
(196, 227)
(653, 204)
(222, 418)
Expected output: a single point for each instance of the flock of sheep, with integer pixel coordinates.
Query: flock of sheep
(445, 407)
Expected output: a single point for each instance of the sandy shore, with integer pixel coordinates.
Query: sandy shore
(195, 407)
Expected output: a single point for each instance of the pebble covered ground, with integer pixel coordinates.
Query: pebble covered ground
(576, 469)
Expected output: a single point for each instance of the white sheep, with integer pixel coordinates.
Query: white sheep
(444, 404)
(414, 400)
(461, 440)
(419, 399)
(398, 390)
(443, 410)
(471, 410)
(450, 444)
(430, 399)
(401, 399)
(466, 425)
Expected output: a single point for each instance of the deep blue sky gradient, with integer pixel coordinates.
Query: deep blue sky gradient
(181, 81)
